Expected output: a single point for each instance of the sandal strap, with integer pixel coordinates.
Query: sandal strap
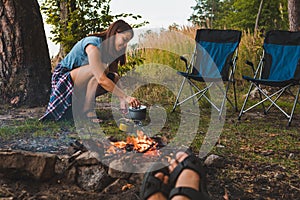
(188, 192)
(193, 163)
(190, 162)
(152, 185)
(155, 185)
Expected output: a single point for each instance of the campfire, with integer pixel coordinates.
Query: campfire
(140, 144)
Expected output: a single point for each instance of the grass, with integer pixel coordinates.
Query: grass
(254, 141)
(34, 128)
(254, 148)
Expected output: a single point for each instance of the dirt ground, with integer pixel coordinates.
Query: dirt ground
(251, 180)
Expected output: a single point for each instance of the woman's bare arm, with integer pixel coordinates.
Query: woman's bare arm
(99, 70)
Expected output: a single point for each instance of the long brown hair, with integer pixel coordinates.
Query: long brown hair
(109, 52)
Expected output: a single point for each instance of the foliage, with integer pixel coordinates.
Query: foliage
(133, 59)
(74, 19)
(240, 14)
(168, 47)
(250, 49)
(206, 12)
(273, 16)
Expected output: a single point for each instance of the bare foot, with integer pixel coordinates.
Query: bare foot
(93, 117)
(187, 178)
(159, 195)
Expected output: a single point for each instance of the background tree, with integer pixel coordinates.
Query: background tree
(258, 16)
(241, 14)
(74, 19)
(294, 15)
(24, 59)
(206, 12)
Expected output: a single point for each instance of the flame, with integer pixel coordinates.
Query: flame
(141, 143)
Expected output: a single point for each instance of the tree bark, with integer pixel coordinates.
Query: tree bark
(66, 7)
(294, 14)
(258, 16)
(25, 67)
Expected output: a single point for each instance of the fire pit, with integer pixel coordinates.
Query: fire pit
(134, 154)
(139, 144)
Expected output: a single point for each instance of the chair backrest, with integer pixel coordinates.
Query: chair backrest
(281, 55)
(215, 50)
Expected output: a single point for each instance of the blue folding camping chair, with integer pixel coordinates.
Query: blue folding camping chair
(212, 63)
(279, 69)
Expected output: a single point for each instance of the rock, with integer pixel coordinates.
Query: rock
(93, 178)
(116, 173)
(39, 166)
(214, 160)
(88, 158)
(62, 164)
(70, 175)
(291, 156)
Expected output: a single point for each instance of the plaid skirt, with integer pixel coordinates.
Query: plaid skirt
(61, 93)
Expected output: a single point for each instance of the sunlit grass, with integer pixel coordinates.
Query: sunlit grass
(33, 128)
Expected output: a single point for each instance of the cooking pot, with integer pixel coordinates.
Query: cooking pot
(138, 113)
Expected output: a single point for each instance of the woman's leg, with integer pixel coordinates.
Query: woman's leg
(85, 85)
(112, 76)
(123, 104)
(115, 78)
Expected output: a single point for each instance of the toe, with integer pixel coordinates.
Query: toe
(180, 156)
(160, 176)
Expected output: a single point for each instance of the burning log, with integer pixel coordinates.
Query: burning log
(140, 144)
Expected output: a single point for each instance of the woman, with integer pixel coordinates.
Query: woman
(89, 70)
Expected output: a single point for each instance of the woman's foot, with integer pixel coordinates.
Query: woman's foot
(185, 175)
(159, 195)
(187, 178)
(93, 117)
(155, 185)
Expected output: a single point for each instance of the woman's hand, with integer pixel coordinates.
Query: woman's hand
(133, 102)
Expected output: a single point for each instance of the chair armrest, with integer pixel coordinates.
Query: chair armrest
(185, 61)
(251, 64)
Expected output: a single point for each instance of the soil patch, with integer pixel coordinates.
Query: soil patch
(236, 178)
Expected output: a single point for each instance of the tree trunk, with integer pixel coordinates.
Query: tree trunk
(66, 7)
(258, 16)
(294, 14)
(25, 68)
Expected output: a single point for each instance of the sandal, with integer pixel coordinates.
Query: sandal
(193, 163)
(152, 185)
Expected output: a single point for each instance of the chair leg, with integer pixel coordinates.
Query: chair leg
(235, 99)
(178, 95)
(275, 100)
(225, 93)
(191, 89)
(264, 109)
(224, 100)
(245, 101)
(294, 107)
